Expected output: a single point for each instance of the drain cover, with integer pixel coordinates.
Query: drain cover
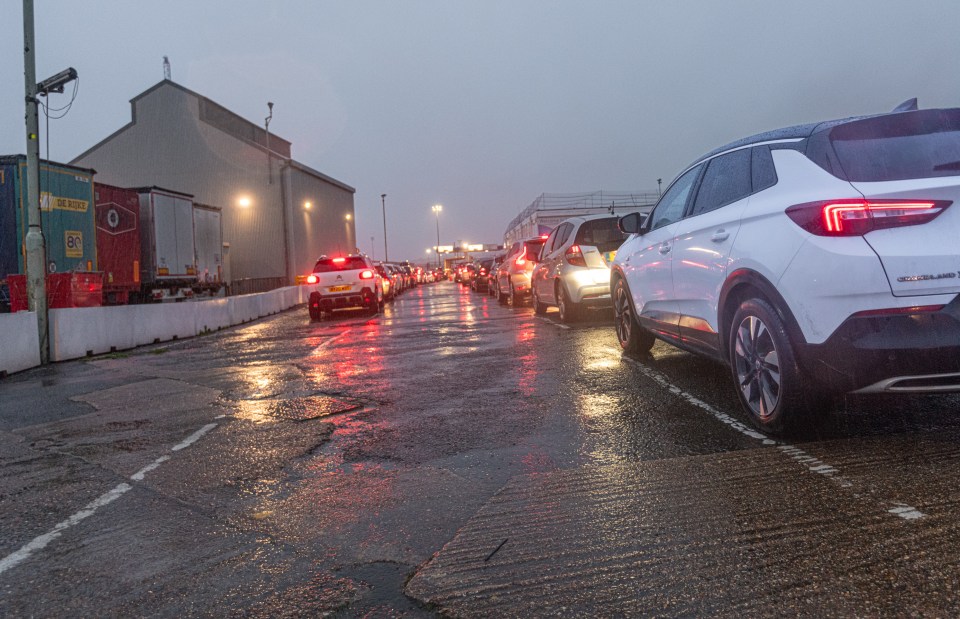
(296, 409)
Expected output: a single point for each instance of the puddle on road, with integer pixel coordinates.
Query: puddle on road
(293, 409)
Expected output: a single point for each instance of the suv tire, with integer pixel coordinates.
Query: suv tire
(632, 337)
(770, 384)
(538, 307)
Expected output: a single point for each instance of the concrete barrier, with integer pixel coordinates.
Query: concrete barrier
(82, 331)
(19, 343)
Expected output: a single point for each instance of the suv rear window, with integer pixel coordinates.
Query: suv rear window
(326, 265)
(533, 247)
(921, 144)
(604, 234)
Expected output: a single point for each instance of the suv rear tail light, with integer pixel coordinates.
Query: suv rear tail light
(522, 258)
(312, 279)
(366, 274)
(574, 256)
(857, 216)
(339, 260)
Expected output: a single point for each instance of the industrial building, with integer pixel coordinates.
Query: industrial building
(278, 214)
(549, 209)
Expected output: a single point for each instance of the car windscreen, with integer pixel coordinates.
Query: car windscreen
(604, 234)
(921, 144)
(326, 265)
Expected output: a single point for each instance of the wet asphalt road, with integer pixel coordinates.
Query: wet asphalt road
(452, 456)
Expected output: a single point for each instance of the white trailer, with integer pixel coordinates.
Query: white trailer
(167, 248)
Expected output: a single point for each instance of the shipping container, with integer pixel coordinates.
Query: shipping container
(208, 238)
(67, 216)
(118, 241)
(64, 290)
(166, 237)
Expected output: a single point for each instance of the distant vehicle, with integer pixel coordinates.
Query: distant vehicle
(513, 274)
(344, 282)
(467, 275)
(813, 260)
(574, 269)
(481, 281)
(386, 282)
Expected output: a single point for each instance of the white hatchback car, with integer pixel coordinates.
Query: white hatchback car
(573, 272)
(813, 260)
(344, 282)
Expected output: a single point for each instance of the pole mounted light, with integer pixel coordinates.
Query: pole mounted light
(36, 258)
(436, 208)
(383, 204)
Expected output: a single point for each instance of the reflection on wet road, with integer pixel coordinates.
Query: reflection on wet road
(453, 455)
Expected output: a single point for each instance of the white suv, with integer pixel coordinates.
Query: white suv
(344, 282)
(813, 260)
(573, 271)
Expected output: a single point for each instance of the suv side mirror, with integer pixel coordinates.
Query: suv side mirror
(632, 223)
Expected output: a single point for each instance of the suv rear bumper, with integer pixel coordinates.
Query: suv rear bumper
(899, 353)
(327, 303)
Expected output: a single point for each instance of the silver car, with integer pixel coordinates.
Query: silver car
(574, 268)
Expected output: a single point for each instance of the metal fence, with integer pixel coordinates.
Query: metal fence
(549, 208)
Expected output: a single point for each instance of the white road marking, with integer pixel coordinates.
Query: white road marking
(193, 438)
(41, 542)
(139, 475)
(554, 323)
(330, 341)
(812, 463)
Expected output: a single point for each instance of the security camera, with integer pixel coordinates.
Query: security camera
(57, 82)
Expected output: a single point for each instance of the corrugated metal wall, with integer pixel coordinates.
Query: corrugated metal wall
(168, 145)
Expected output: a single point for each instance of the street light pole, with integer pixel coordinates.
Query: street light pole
(383, 203)
(36, 266)
(436, 209)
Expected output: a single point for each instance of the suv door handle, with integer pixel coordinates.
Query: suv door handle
(665, 248)
(720, 235)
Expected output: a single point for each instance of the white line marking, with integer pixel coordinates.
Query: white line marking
(193, 438)
(330, 341)
(906, 512)
(41, 542)
(139, 475)
(812, 463)
(554, 323)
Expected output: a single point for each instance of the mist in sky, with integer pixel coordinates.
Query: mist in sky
(483, 105)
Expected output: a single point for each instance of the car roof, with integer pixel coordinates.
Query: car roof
(796, 132)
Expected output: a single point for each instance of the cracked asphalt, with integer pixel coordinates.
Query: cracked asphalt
(451, 456)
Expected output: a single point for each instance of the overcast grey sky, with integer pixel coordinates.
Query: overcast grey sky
(483, 105)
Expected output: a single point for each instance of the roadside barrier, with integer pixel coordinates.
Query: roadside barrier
(84, 331)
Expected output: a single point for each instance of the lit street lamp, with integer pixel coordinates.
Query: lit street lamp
(436, 209)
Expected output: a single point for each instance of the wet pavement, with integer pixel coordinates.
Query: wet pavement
(452, 456)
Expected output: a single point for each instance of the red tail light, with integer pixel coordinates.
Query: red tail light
(522, 258)
(366, 274)
(339, 260)
(574, 256)
(312, 279)
(483, 271)
(857, 216)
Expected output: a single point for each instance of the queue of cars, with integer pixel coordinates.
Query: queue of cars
(813, 260)
(355, 282)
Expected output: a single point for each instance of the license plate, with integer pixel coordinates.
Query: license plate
(609, 256)
(339, 288)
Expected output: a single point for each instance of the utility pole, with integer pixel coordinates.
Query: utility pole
(266, 127)
(36, 267)
(383, 203)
